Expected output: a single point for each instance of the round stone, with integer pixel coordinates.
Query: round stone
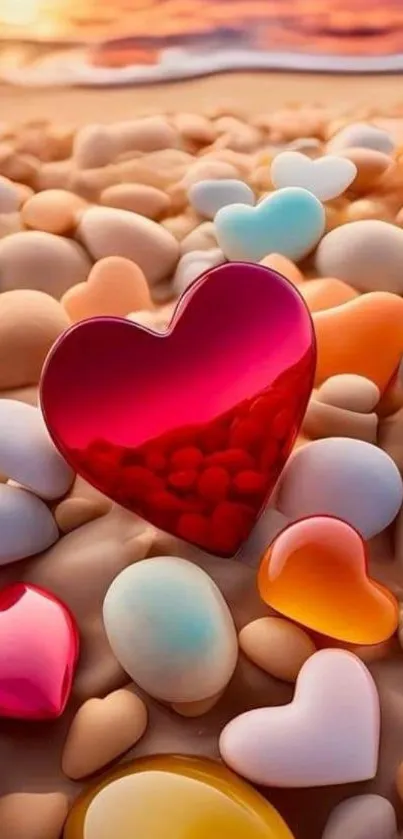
(361, 817)
(367, 255)
(207, 197)
(171, 630)
(37, 260)
(351, 392)
(362, 135)
(26, 524)
(276, 645)
(349, 479)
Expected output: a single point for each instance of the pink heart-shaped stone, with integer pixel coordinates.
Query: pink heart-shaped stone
(191, 428)
(38, 652)
(328, 735)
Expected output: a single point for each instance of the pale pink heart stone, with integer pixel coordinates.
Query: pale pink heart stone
(328, 735)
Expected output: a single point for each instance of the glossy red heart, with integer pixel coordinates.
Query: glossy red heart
(38, 653)
(191, 428)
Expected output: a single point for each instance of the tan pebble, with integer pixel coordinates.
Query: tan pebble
(180, 225)
(237, 135)
(349, 391)
(310, 146)
(202, 238)
(371, 165)
(102, 730)
(41, 261)
(158, 320)
(9, 197)
(18, 167)
(74, 512)
(209, 170)
(196, 709)
(390, 439)
(60, 140)
(30, 322)
(53, 211)
(196, 128)
(54, 175)
(399, 781)
(145, 134)
(24, 192)
(33, 815)
(115, 286)
(277, 646)
(158, 174)
(361, 135)
(94, 146)
(89, 183)
(399, 218)
(367, 208)
(335, 216)
(34, 140)
(29, 395)
(260, 179)
(243, 162)
(376, 652)
(138, 198)
(109, 232)
(327, 421)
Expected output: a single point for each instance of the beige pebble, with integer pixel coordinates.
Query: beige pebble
(94, 146)
(145, 134)
(367, 255)
(243, 163)
(18, 167)
(196, 709)
(157, 320)
(89, 183)
(33, 815)
(53, 211)
(327, 421)
(102, 730)
(310, 146)
(204, 170)
(24, 192)
(181, 225)
(361, 135)
(196, 128)
(277, 646)
(350, 391)
(191, 265)
(10, 223)
(54, 175)
(368, 208)
(72, 513)
(109, 232)
(138, 198)
(30, 322)
(41, 261)
(9, 196)
(390, 439)
(371, 165)
(237, 135)
(159, 168)
(202, 238)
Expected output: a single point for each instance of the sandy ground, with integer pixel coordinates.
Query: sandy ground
(252, 91)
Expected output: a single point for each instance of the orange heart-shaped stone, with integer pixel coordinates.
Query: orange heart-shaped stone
(115, 286)
(363, 336)
(326, 293)
(315, 572)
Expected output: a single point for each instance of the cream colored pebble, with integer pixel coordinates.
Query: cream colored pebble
(202, 238)
(42, 261)
(9, 196)
(350, 391)
(53, 211)
(137, 198)
(145, 134)
(94, 146)
(277, 646)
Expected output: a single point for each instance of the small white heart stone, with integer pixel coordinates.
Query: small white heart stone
(207, 197)
(328, 735)
(191, 265)
(327, 177)
(361, 817)
(27, 454)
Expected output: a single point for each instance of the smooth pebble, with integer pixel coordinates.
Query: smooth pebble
(41, 261)
(27, 526)
(192, 264)
(371, 165)
(171, 630)
(148, 134)
(109, 232)
(137, 198)
(33, 815)
(9, 196)
(349, 479)
(30, 322)
(354, 393)
(367, 255)
(27, 454)
(207, 197)
(202, 238)
(94, 146)
(53, 211)
(361, 135)
(101, 731)
(362, 817)
(277, 646)
(323, 420)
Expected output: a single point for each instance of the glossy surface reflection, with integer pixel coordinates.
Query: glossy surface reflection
(173, 797)
(190, 429)
(315, 573)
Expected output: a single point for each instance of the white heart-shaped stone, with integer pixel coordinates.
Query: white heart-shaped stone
(207, 197)
(328, 735)
(327, 177)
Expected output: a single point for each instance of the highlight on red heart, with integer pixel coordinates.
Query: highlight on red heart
(189, 429)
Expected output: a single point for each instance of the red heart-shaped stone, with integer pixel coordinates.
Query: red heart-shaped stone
(190, 429)
(39, 645)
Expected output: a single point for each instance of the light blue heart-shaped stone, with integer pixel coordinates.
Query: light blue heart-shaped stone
(290, 221)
